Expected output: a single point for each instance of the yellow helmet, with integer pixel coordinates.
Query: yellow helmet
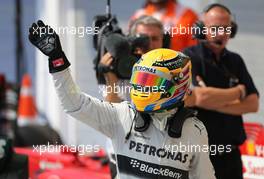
(160, 80)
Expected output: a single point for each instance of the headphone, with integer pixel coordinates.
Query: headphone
(199, 25)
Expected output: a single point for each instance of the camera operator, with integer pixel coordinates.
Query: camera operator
(145, 25)
(224, 89)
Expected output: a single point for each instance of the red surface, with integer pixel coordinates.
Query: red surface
(64, 165)
(71, 173)
(255, 140)
(38, 162)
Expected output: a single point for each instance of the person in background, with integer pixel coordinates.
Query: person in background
(224, 89)
(145, 25)
(174, 17)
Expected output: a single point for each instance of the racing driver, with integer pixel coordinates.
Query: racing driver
(145, 134)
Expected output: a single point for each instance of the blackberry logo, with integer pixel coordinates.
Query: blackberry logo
(151, 169)
(134, 163)
(137, 167)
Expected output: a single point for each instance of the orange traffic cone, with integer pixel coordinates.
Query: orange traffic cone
(27, 112)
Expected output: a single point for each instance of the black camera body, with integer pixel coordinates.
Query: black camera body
(111, 39)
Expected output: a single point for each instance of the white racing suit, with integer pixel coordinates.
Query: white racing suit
(150, 154)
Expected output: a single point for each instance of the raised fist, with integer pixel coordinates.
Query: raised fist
(48, 42)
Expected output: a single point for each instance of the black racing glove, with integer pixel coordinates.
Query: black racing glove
(48, 42)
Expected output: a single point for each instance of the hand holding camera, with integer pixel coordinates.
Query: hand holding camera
(105, 64)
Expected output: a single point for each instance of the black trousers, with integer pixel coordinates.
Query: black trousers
(228, 165)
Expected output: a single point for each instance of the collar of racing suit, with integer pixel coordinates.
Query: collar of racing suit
(160, 120)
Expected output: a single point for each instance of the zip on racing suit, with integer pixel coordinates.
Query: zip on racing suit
(149, 154)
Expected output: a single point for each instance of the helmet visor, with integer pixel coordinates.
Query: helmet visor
(147, 81)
